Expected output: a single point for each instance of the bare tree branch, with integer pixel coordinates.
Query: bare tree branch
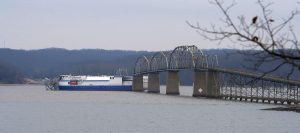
(275, 39)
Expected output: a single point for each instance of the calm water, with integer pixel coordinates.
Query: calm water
(31, 109)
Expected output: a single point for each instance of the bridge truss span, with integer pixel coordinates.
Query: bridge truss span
(159, 61)
(182, 57)
(142, 64)
(186, 57)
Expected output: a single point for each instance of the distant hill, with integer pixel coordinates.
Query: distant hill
(54, 61)
(50, 62)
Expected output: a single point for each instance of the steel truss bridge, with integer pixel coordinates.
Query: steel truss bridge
(212, 80)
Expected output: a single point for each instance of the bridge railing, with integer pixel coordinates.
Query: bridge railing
(260, 89)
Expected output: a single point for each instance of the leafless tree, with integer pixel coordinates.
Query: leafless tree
(270, 40)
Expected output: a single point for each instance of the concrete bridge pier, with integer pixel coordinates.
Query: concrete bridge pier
(200, 86)
(137, 83)
(153, 83)
(213, 86)
(173, 82)
(206, 83)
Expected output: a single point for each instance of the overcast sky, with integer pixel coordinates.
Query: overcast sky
(115, 24)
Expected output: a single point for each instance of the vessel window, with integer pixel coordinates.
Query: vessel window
(73, 82)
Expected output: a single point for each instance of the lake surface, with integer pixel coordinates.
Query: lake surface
(32, 109)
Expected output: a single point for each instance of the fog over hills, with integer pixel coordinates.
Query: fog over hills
(37, 64)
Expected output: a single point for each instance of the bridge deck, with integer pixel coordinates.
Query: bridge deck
(220, 81)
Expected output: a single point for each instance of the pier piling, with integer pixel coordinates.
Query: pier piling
(173, 82)
(137, 84)
(153, 83)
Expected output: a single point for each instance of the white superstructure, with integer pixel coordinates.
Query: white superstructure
(87, 82)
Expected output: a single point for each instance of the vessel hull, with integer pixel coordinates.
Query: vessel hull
(97, 88)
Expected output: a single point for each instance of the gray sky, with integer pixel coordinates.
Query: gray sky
(115, 24)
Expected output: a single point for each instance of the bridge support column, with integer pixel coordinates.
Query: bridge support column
(213, 86)
(137, 84)
(173, 83)
(153, 83)
(200, 86)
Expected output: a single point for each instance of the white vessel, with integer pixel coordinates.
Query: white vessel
(101, 83)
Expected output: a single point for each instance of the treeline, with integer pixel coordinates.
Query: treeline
(51, 62)
(37, 64)
(9, 74)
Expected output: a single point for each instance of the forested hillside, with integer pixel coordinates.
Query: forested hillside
(37, 64)
(53, 61)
